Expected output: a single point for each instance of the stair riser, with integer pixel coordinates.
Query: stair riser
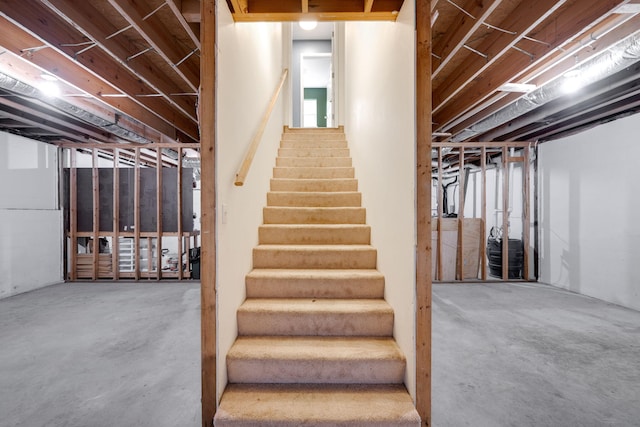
(371, 324)
(268, 371)
(275, 235)
(317, 259)
(313, 172)
(313, 152)
(312, 143)
(312, 185)
(314, 162)
(283, 215)
(327, 199)
(314, 288)
(317, 136)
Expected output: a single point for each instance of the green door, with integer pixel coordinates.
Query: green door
(319, 94)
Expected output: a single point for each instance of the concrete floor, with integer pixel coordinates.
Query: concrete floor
(105, 354)
(101, 354)
(532, 355)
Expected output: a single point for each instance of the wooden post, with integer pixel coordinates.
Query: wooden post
(207, 118)
(461, 185)
(136, 213)
(179, 193)
(526, 233)
(423, 210)
(158, 217)
(115, 245)
(505, 214)
(73, 214)
(440, 213)
(483, 213)
(96, 213)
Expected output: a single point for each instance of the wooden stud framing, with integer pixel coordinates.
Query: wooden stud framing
(136, 215)
(95, 182)
(179, 193)
(73, 214)
(483, 212)
(461, 186)
(440, 213)
(505, 214)
(158, 218)
(526, 232)
(207, 116)
(115, 244)
(423, 210)
(502, 148)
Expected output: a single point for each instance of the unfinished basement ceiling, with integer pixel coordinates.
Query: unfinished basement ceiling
(129, 71)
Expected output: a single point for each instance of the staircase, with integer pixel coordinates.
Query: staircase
(315, 344)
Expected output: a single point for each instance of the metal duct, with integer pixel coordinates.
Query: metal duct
(620, 56)
(23, 89)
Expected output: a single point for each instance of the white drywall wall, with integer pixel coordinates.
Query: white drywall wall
(30, 218)
(249, 69)
(380, 125)
(589, 204)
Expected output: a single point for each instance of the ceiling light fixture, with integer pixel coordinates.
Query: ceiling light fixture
(49, 86)
(573, 81)
(308, 24)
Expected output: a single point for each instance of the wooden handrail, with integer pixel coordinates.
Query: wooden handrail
(251, 152)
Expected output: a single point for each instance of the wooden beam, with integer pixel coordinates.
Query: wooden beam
(522, 21)
(84, 17)
(318, 16)
(176, 9)
(423, 210)
(461, 30)
(240, 6)
(305, 6)
(469, 87)
(91, 73)
(368, 6)
(208, 208)
(159, 41)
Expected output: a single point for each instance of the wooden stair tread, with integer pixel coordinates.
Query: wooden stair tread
(289, 405)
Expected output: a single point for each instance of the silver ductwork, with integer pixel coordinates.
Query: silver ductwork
(620, 56)
(18, 87)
